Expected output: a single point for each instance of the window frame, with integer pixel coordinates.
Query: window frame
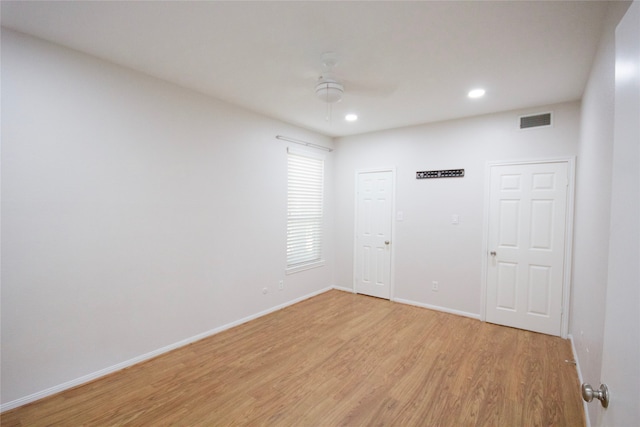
(310, 205)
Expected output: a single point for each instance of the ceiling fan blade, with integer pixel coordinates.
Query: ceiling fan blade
(382, 90)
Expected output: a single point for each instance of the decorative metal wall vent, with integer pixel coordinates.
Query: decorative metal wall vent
(448, 173)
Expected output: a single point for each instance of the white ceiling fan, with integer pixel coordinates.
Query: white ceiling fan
(328, 88)
(331, 87)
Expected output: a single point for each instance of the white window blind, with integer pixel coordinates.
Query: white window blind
(304, 210)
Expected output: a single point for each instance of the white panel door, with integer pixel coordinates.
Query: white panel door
(373, 233)
(621, 347)
(526, 250)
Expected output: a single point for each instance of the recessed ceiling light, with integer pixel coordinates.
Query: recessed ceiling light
(476, 93)
(351, 117)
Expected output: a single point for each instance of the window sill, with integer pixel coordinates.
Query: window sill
(303, 267)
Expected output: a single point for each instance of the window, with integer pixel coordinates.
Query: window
(305, 185)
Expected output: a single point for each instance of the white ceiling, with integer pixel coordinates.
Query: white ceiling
(402, 63)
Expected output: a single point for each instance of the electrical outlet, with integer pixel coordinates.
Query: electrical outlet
(281, 284)
(434, 286)
(265, 290)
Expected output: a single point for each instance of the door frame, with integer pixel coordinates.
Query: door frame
(358, 172)
(568, 239)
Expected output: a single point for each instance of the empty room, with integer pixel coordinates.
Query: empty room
(320, 213)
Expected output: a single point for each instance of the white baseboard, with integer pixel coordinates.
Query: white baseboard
(143, 357)
(580, 379)
(437, 308)
(419, 304)
(344, 289)
(128, 363)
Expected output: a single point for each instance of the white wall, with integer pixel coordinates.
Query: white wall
(135, 215)
(593, 205)
(427, 246)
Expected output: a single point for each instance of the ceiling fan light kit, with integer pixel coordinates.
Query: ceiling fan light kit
(329, 91)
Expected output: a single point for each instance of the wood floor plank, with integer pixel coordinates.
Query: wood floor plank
(337, 359)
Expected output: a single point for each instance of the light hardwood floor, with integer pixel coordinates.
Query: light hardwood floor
(336, 359)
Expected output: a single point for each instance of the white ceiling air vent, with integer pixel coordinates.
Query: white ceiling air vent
(535, 120)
